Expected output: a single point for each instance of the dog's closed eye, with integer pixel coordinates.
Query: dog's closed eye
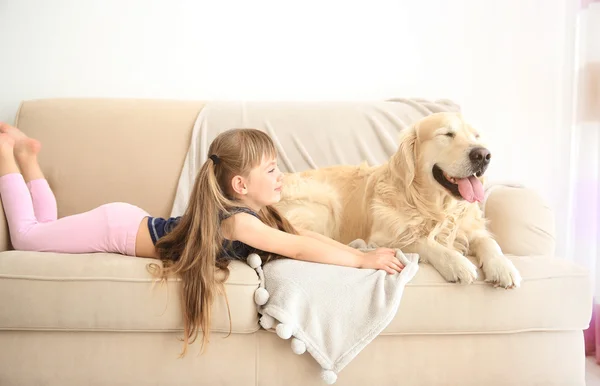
(450, 134)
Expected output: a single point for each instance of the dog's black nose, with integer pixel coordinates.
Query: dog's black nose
(480, 156)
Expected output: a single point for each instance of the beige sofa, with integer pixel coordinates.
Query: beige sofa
(97, 320)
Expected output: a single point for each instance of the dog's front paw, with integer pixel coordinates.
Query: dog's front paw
(501, 272)
(458, 269)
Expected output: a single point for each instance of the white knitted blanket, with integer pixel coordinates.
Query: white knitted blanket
(330, 311)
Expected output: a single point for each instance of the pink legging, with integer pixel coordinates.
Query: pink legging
(32, 221)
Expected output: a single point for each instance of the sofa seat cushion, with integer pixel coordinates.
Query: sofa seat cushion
(108, 292)
(555, 294)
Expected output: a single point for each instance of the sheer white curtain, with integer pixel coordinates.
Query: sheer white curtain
(583, 242)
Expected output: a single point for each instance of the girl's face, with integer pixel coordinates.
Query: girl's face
(263, 185)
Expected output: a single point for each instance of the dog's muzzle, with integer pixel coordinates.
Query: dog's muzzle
(480, 159)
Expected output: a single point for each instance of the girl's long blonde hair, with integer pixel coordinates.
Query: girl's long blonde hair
(191, 250)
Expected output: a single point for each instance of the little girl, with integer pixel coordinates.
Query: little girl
(229, 216)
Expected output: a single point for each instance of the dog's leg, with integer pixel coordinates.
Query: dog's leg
(452, 265)
(497, 268)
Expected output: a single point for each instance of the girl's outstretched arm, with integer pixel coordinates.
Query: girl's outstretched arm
(253, 232)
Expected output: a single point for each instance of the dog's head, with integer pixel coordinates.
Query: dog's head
(445, 152)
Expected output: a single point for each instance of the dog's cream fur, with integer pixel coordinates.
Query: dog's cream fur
(400, 205)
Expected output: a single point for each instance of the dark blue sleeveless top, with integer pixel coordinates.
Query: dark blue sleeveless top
(232, 250)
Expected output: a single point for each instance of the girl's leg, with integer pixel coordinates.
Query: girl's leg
(25, 151)
(16, 199)
(44, 202)
(8, 165)
(109, 228)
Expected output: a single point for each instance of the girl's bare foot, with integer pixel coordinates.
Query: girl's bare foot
(26, 147)
(23, 145)
(7, 159)
(12, 131)
(7, 144)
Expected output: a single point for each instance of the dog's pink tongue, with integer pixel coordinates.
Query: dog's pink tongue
(470, 188)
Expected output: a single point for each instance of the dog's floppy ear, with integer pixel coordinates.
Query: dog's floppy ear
(404, 159)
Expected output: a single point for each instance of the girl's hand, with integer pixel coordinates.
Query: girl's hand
(382, 258)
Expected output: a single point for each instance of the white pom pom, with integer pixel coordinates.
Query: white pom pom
(261, 296)
(298, 346)
(267, 322)
(329, 377)
(284, 331)
(254, 260)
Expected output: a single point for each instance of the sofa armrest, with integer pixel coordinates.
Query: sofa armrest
(5, 244)
(520, 221)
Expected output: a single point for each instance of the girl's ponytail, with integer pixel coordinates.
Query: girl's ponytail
(190, 251)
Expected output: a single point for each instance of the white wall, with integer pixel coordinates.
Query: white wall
(503, 61)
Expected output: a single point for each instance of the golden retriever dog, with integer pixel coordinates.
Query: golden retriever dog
(424, 200)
